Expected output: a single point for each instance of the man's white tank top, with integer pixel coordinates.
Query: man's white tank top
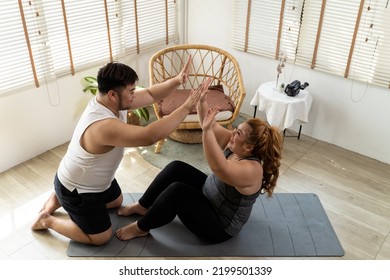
(82, 170)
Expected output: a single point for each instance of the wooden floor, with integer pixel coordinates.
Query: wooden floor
(354, 190)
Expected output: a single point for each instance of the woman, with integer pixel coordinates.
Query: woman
(244, 163)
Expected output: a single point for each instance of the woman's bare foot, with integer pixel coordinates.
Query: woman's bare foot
(134, 208)
(41, 221)
(51, 205)
(130, 231)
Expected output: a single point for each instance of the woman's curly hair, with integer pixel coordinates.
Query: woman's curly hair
(267, 144)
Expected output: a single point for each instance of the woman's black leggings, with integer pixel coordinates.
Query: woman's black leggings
(177, 191)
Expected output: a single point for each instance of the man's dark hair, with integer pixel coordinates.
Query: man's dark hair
(115, 76)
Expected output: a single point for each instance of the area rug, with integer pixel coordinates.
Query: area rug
(174, 150)
(286, 225)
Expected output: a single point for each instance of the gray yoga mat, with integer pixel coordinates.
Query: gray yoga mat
(286, 225)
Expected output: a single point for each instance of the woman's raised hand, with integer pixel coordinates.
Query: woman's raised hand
(198, 93)
(209, 119)
(183, 75)
(205, 89)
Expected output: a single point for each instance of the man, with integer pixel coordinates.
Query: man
(85, 184)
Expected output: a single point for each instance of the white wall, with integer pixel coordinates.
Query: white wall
(36, 120)
(343, 113)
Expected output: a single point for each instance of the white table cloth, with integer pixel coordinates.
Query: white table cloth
(282, 110)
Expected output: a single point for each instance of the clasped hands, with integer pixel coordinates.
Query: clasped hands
(199, 95)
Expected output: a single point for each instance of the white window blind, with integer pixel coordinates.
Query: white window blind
(371, 56)
(16, 68)
(41, 40)
(348, 38)
(333, 32)
(308, 33)
(267, 27)
(88, 34)
(141, 25)
(123, 27)
(290, 29)
(261, 22)
(155, 23)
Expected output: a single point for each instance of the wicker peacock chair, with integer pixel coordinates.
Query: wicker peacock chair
(226, 90)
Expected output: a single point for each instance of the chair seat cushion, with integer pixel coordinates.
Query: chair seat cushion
(215, 97)
(221, 116)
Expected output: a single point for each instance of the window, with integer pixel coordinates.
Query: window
(348, 38)
(41, 40)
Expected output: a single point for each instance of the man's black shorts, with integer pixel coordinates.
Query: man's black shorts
(88, 210)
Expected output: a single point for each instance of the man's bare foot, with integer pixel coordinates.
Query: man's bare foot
(51, 205)
(41, 221)
(131, 209)
(130, 231)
